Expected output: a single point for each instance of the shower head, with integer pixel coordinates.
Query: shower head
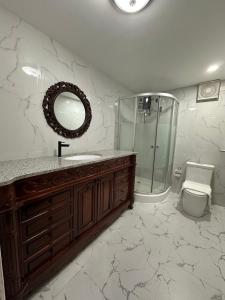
(144, 104)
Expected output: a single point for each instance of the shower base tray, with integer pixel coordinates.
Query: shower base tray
(151, 198)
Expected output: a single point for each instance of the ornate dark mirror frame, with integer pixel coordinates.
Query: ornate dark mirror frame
(48, 107)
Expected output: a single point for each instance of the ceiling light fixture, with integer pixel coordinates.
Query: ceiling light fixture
(192, 108)
(213, 68)
(32, 71)
(131, 6)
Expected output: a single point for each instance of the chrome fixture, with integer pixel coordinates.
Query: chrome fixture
(144, 106)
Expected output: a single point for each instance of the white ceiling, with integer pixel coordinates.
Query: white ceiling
(166, 46)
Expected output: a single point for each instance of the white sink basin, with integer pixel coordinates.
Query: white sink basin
(83, 157)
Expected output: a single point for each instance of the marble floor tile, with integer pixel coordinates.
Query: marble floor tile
(153, 252)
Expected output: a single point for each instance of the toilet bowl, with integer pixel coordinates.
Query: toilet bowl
(194, 202)
(196, 189)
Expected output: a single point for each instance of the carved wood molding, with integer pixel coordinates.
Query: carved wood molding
(48, 107)
(7, 197)
(37, 184)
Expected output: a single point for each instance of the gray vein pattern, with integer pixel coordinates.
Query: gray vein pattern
(13, 170)
(153, 252)
(24, 130)
(200, 137)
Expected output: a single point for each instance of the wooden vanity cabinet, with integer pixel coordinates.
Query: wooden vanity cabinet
(46, 220)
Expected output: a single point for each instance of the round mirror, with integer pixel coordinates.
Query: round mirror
(69, 111)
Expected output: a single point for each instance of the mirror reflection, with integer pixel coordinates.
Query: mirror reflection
(69, 111)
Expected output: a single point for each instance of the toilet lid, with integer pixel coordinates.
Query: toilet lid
(195, 192)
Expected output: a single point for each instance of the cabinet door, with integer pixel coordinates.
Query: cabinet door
(86, 199)
(105, 195)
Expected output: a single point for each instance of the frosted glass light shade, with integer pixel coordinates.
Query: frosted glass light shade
(131, 6)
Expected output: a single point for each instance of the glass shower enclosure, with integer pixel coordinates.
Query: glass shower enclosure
(147, 125)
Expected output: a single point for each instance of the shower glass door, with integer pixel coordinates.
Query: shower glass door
(163, 145)
(147, 125)
(144, 145)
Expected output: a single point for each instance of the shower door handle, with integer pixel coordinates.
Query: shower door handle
(152, 146)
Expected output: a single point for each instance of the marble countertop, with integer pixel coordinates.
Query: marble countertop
(13, 170)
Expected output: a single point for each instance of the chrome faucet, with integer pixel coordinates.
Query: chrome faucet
(60, 145)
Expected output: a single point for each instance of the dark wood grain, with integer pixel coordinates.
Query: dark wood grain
(85, 196)
(105, 195)
(46, 220)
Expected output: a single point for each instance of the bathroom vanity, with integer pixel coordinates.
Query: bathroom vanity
(51, 208)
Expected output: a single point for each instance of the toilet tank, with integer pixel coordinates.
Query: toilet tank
(200, 173)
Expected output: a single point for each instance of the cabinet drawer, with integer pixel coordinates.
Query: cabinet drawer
(35, 209)
(46, 222)
(121, 195)
(61, 229)
(121, 186)
(61, 244)
(35, 245)
(43, 214)
(45, 239)
(36, 226)
(60, 199)
(42, 206)
(64, 212)
(37, 262)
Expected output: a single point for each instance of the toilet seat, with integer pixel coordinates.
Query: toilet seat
(195, 192)
(197, 189)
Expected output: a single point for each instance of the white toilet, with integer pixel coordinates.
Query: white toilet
(196, 190)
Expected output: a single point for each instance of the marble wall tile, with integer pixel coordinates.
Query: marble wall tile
(24, 131)
(200, 136)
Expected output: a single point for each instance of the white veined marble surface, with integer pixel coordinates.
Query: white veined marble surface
(24, 131)
(200, 136)
(13, 170)
(153, 252)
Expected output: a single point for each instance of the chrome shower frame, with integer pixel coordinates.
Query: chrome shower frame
(135, 98)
